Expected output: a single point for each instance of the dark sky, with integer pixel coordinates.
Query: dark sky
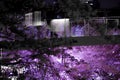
(109, 3)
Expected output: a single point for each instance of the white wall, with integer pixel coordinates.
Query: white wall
(61, 27)
(33, 19)
(29, 19)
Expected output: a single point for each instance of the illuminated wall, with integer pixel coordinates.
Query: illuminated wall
(61, 27)
(33, 19)
(29, 19)
(37, 18)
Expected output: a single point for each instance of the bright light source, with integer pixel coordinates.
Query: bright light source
(91, 4)
(86, 2)
(39, 23)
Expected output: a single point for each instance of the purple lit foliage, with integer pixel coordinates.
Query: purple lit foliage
(68, 63)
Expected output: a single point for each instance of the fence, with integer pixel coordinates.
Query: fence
(96, 26)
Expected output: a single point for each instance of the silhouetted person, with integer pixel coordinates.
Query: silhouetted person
(54, 35)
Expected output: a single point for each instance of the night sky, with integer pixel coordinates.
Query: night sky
(109, 4)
